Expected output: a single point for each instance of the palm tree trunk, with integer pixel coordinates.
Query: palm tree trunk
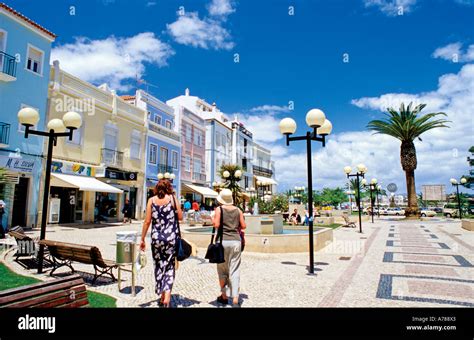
(412, 209)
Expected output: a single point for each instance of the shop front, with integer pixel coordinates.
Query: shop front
(18, 189)
(74, 193)
(128, 183)
(204, 196)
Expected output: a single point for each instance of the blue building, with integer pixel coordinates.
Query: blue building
(163, 143)
(24, 74)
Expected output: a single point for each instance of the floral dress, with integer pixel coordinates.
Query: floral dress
(163, 245)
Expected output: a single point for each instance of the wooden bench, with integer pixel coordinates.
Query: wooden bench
(63, 254)
(68, 292)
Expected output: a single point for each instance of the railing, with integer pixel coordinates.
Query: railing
(4, 133)
(258, 170)
(163, 168)
(112, 157)
(197, 176)
(7, 64)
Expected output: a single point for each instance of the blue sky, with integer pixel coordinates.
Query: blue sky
(286, 58)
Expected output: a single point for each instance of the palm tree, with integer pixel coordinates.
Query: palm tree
(407, 125)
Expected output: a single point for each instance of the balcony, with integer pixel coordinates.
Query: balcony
(163, 168)
(7, 67)
(112, 157)
(4, 134)
(198, 177)
(259, 171)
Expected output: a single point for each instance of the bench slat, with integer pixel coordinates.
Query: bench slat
(57, 298)
(73, 280)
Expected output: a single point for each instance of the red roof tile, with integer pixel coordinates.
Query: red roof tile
(127, 97)
(31, 22)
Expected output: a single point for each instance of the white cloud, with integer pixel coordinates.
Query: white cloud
(208, 32)
(112, 60)
(221, 8)
(392, 7)
(441, 155)
(263, 122)
(453, 52)
(151, 3)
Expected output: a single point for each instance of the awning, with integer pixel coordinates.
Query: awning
(82, 183)
(205, 191)
(265, 179)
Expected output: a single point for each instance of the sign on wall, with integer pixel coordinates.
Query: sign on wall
(17, 164)
(71, 168)
(433, 192)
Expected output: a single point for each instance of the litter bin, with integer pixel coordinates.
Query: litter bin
(126, 245)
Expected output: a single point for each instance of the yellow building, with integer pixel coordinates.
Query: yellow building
(101, 167)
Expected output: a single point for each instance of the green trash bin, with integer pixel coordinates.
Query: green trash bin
(126, 247)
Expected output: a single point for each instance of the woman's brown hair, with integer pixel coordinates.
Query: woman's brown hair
(163, 188)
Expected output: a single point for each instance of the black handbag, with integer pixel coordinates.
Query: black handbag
(183, 248)
(215, 251)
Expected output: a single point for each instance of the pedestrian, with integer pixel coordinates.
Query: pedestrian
(195, 206)
(2, 211)
(127, 211)
(187, 205)
(232, 222)
(162, 213)
(295, 217)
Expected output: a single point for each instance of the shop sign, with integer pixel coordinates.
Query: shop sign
(71, 168)
(17, 164)
(121, 175)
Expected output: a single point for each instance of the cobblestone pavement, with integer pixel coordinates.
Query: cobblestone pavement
(394, 263)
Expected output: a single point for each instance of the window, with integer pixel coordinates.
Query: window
(164, 156)
(34, 60)
(169, 124)
(218, 139)
(189, 133)
(174, 160)
(152, 153)
(157, 119)
(21, 128)
(198, 140)
(135, 145)
(3, 44)
(110, 141)
(187, 163)
(197, 165)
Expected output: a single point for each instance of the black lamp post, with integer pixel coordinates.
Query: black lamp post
(361, 170)
(455, 183)
(321, 127)
(29, 117)
(373, 190)
(378, 201)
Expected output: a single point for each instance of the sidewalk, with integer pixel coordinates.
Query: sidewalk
(356, 270)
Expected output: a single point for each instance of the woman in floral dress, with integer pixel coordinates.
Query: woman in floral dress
(161, 212)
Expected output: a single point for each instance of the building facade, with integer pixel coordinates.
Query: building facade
(242, 152)
(192, 128)
(163, 142)
(24, 74)
(95, 173)
(263, 169)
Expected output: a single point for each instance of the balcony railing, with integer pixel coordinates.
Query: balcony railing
(258, 170)
(198, 177)
(112, 157)
(7, 64)
(4, 134)
(163, 168)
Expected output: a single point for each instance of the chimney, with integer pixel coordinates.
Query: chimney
(186, 92)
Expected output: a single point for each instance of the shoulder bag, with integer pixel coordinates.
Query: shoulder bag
(215, 251)
(183, 248)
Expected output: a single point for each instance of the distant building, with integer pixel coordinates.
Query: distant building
(24, 75)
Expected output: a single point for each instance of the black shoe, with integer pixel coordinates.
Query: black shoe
(220, 299)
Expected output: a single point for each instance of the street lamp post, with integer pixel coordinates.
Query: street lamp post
(361, 170)
(378, 201)
(455, 183)
(321, 127)
(29, 117)
(373, 190)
